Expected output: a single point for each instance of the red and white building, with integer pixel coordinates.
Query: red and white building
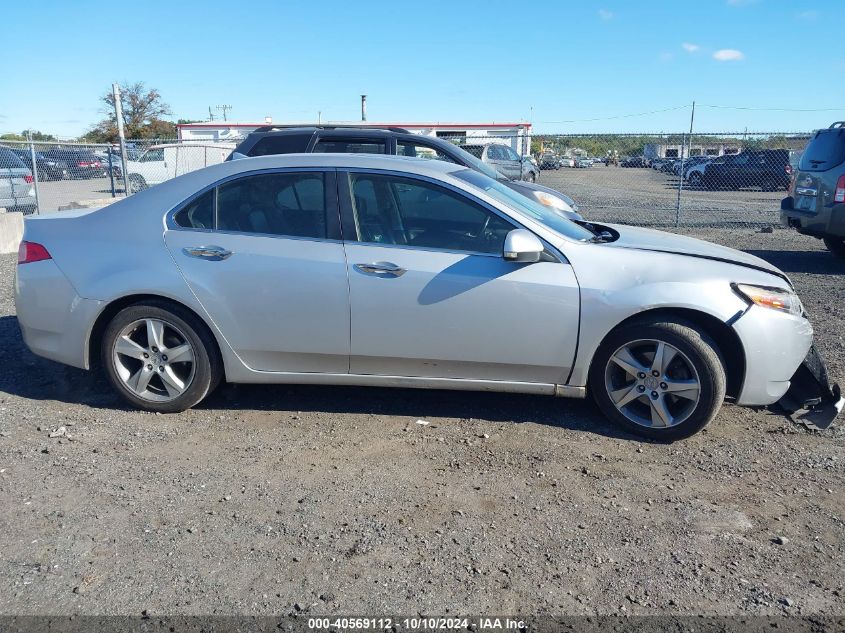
(517, 135)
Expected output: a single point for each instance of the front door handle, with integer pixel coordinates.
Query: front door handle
(211, 253)
(381, 269)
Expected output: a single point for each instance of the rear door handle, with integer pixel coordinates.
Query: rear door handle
(211, 253)
(381, 269)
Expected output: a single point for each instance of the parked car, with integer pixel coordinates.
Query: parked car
(81, 163)
(501, 157)
(48, 169)
(389, 271)
(582, 162)
(688, 164)
(669, 165)
(17, 192)
(163, 162)
(530, 169)
(768, 169)
(566, 161)
(549, 160)
(634, 161)
(816, 201)
(366, 140)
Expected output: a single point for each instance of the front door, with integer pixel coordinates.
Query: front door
(431, 295)
(261, 255)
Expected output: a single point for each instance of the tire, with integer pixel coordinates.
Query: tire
(136, 183)
(696, 361)
(532, 177)
(835, 245)
(695, 179)
(190, 381)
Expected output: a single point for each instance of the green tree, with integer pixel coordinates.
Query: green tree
(143, 115)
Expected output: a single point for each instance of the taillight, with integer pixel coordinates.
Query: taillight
(82, 164)
(788, 170)
(29, 252)
(28, 179)
(839, 196)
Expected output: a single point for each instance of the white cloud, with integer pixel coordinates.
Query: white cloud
(728, 55)
(690, 48)
(604, 14)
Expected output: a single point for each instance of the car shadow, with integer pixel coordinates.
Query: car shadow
(813, 262)
(39, 379)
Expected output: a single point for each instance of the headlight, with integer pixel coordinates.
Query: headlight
(548, 200)
(774, 298)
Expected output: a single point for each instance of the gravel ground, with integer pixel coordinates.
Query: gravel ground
(270, 500)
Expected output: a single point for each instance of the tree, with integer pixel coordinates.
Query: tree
(143, 115)
(24, 136)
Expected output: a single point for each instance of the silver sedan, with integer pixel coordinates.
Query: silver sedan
(387, 271)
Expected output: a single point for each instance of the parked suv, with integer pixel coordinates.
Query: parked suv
(768, 169)
(397, 141)
(816, 204)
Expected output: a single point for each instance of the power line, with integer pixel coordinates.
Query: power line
(724, 107)
(620, 116)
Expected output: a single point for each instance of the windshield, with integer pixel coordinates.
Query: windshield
(475, 163)
(523, 205)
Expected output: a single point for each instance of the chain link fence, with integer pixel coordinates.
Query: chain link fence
(661, 180)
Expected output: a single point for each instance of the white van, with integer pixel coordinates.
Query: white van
(163, 162)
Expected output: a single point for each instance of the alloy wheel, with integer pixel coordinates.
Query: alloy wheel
(154, 360)
(653, 384)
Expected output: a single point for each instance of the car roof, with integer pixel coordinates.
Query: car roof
(349, 160)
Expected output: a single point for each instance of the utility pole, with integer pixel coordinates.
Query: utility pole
(224, 109)
(210, 114)
(118, 110)
(363, 107)
(683, 160)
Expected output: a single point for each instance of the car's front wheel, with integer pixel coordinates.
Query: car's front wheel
(159, 357)
(136, 183)
(835, 245)
(663, 379)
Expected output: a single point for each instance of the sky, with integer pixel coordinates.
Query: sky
(565, 66)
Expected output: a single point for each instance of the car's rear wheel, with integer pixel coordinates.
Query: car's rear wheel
(160, 357)
(835, 245)
(663, 379)
(532, 177)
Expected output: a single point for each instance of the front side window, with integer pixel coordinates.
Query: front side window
(350, 146)
(494, 153)
(509, 153)
(406, 211)
(290, 204)
(152, 155)
(419, 150)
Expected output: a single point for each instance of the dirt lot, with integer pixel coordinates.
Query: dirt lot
(649, 197)
(270, 500)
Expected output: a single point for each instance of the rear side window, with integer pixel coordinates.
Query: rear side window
(198, 214)
(9, 161)
(350, 146)
(275, 204)
(824, 151)
(281, 144)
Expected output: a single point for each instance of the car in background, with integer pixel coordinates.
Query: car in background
(17, 189)
(582, 162)
(668, 165)
(657, 163)
(567, 161)
(81, 163)
(530, 169)
(768, 169)
(47, 168)
(634, 161)
(549, 160)
(163, 162)
(275, 139)
(816, 202)
(501, 157)
(689, 163)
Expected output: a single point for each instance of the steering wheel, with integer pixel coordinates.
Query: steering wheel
(479, 237)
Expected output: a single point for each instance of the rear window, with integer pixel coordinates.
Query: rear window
(280, 144)
(9, 161)
(824, 151)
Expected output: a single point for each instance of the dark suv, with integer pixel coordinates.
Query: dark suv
(816, 204)
(768, 169)
(394, 141)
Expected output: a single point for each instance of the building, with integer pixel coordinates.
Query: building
(678, 150)
(516, 135)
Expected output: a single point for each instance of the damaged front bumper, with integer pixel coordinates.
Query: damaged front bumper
(811, 399)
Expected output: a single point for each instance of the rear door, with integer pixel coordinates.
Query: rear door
(262, 253)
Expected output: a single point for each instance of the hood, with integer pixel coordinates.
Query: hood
(650, 240)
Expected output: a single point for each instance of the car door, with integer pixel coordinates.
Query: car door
(262, 254)
(431, 295)
(511, 162)
(152, 166)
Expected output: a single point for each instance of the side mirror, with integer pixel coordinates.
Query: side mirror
(522, 246)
